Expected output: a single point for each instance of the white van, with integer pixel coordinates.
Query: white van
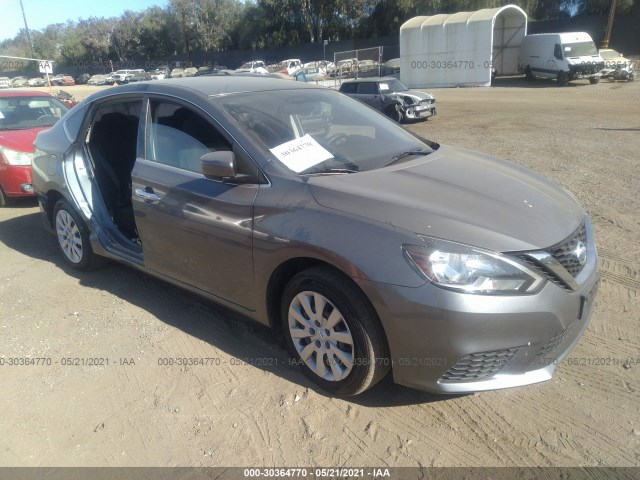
(563, 56)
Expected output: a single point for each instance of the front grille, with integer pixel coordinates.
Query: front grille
(428, 101)
(564, 252)
(479, 366)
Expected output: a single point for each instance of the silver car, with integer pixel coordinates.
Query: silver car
(368, 248)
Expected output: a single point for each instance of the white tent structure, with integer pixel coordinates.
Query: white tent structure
(461, 49)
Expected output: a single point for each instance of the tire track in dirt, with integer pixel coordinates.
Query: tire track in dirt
(557, 414)
(413, 420)
(472, 411)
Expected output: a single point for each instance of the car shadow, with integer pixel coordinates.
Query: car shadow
(522, 82)
(238, 336)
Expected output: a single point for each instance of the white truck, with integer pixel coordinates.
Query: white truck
(563, 56)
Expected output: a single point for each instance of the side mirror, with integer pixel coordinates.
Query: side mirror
(219, 165)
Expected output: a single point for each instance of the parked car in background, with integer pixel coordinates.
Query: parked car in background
(57, 79)
(563, 56)
(177, 73)
(254, 66)
(368, 68)
(37, 82)
(24, 113)
(99, 79)
(67, 81)
(82, 79)
(140, 77)
(190, 72)
(367, 247)
(324, 66)
(19, 82)
(122, 77)
(390, 67)
(311, 74)
(290, 66)
(160, 73)
(616, 67)
(5, 82)
(215, 70)
(391, 97)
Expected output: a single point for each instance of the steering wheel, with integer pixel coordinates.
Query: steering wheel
(337, 140)
(46, 120)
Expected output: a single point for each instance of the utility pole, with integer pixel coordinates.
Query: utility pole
(607, 34)
(26, 27)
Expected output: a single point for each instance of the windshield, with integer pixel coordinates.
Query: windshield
(392, 86)
(580, 49)
(21, 113)
(318, 130)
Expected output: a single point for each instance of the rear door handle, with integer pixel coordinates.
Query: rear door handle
(147, 195)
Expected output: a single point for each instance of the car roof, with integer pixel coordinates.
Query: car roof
(371, 79)
(23, 93)
(213, 85)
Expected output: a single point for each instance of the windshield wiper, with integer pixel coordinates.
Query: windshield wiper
(330, 171)
(408, 153)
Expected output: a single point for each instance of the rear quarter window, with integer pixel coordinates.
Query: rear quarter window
(349, 87)
(73, 122)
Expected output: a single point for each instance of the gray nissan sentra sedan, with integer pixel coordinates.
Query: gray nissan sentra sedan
(369, 248)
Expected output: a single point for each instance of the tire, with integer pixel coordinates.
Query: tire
(349, 316)
(529, 74)
(73, 238)
(4, 201)
(394, 113)
(594, 80)
(563, 79)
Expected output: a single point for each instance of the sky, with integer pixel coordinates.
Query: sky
(41, 13)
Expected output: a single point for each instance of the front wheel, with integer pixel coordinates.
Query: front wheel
(394, 113)
(529, 74)
(4, 200)
(333, 331)
(594, 80)
(563, 79)
(73, 238)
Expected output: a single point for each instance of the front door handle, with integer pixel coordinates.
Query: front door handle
(147, 196)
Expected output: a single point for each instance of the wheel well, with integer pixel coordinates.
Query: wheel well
(53, 197)
(285, 272)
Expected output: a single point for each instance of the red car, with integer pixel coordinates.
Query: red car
(22, 115)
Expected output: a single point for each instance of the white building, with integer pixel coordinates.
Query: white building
(461, 49)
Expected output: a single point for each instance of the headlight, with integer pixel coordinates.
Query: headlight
(14, 157)
(469, 270)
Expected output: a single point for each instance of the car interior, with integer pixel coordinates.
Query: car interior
(112, 145)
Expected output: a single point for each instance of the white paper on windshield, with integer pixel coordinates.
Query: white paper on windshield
(301, 153)
(1, 115)
(384, 87)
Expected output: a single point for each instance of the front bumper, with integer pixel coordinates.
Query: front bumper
(447, 342)
(420, 111)
(16, 180)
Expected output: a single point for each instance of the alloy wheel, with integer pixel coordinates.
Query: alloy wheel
(69, 236)
(321, 336)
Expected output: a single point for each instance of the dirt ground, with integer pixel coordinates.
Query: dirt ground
(261, 411)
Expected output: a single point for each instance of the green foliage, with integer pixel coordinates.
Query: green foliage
(188, 26)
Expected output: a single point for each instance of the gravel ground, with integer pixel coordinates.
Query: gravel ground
(135, 412)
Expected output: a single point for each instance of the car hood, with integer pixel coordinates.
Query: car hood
(414, 95)
(458, 195)
(20, 140)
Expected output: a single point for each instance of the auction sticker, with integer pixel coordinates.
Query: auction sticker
(301, 153)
